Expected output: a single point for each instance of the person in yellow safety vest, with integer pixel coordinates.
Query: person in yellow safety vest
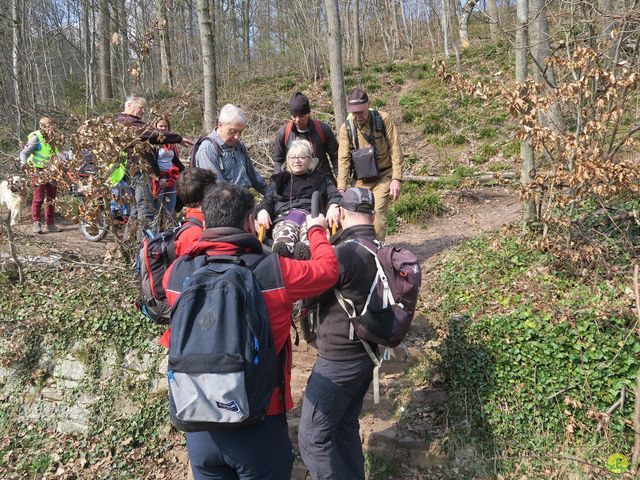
(37, 154)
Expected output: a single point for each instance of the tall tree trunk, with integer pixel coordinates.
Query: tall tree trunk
(208, 64)
(464, 23)
(357, 56)
(335, 62)
(526, 152)
(445, 25)
(246, 31)
(393, 11)
(166, 73)
(15, 20)
(106, 88)
(124, 48)
(492, 12)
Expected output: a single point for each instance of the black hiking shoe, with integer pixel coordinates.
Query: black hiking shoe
(301, 251)
(282, 249)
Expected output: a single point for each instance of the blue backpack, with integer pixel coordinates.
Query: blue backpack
(223, 366)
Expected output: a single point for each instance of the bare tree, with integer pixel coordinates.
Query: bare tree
(165, 46)
(526, 152)
(106, 88)
(335, 62)
(15, 20)
(446, 6)
(357, 57)
(208, 64)
(492, 12)
(246, 31)
(464, 22)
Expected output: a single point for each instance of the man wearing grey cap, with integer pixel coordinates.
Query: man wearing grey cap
(369, 149)
(329, 433)
(319, 135)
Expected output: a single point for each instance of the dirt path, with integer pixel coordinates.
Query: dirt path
(469, 213)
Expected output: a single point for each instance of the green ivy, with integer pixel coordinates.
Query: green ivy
(532, 351)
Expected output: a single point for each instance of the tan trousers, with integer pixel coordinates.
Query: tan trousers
(380, 188)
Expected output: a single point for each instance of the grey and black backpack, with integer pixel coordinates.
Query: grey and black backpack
(223, 366)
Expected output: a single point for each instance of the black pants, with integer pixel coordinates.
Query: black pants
(257, 452)
(329, 434)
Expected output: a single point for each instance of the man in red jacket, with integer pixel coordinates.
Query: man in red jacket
(263, 450)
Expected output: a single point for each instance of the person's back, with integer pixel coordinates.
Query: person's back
(191, 187)
(328, 435)
(37, 154)
(262, 450)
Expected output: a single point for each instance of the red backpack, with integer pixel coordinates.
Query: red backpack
(156, 254)
(317, 127)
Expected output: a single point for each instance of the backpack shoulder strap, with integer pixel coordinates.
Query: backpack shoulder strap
(318, 128)
(287, 132)
(379, 123)
(187, 223)
(353, 135)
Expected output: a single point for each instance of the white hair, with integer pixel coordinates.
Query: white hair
(302, 148)
(232, 114)
(133, 100)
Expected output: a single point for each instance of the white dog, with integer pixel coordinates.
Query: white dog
(13, 193)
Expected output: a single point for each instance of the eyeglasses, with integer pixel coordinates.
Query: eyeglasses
(298, 158)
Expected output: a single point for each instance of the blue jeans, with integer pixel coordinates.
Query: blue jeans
(168, 198)
(255, 452)
(329, 433)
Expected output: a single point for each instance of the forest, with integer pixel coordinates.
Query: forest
(519, 123)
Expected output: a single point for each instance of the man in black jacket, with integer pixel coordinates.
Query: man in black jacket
(329, 433)
(319, 134)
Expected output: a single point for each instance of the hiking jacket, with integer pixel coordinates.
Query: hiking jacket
(191, 234)
(283, 281)
(287, 191)
(388, 152)
(154, 136)
(325, 152)
(37, 152)
(357, 271)
(230, 164)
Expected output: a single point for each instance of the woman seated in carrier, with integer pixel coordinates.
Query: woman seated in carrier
(287, 202)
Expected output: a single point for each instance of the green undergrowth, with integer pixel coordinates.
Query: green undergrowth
(416, 204)
(451, 122)
(91, 315)
(533, 355)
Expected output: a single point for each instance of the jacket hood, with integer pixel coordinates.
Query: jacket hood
(226, 240)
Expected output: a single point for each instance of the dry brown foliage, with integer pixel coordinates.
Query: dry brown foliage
(585, 138)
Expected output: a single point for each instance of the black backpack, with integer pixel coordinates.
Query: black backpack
(155, 256)
(223, 366)
(196, 146)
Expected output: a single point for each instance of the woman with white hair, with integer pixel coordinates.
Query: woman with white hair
(223, 153)
(288, 201)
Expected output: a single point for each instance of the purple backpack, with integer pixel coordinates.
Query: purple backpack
(391, 304)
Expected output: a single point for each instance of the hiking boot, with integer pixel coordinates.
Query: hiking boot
(301, 251)
(282, 249)
(52, 228)
(37, 227)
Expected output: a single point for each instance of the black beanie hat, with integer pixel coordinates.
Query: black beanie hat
(299, 104)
